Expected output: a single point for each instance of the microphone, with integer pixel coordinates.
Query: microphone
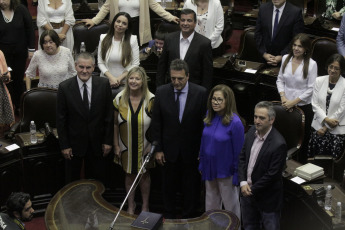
(153, 148)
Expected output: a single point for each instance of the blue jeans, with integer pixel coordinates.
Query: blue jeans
(255, 219)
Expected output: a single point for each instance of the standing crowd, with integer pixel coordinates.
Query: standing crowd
(200, 134)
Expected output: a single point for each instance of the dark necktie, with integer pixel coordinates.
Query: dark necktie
(85, 97)
(275, 27)
(178, 93)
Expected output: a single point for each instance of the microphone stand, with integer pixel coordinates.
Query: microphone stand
(134, 185)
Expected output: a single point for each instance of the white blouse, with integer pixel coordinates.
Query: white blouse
(294, 85)
(131, 7)
(112, 62)
(53, 69)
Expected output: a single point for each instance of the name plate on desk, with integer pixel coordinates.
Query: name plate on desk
(148, 220)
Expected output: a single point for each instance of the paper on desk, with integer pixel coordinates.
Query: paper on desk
(298, 180)
(335, 29)
(250, 71)
(12, 147)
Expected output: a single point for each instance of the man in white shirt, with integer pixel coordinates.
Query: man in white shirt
(261, 163)
(278, 22)
(190, 46)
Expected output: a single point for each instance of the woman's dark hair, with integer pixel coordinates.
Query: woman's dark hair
(127, 57)
(306, 44)
(16, 203)
(53, 35)
(338, 58)
(14, 4)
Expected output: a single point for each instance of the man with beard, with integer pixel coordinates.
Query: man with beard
(19, 209)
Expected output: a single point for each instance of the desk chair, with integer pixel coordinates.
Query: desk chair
(90, 36)
(247, 50)
(322, 48)
(290, 125)
(39, 105)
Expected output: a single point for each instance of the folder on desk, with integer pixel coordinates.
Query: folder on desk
(309, 171)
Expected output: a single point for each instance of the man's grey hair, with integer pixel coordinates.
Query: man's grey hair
(269, 106)
(85, 55)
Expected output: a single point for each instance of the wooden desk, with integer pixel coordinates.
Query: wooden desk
(81, 201)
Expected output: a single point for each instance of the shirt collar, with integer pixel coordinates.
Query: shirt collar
(81, 83)
(264, 137)
(281, 9)
(190, 38)
(184, 90)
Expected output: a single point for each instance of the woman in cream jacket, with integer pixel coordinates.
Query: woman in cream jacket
(113, 7)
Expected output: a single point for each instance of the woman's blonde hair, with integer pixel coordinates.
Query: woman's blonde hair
(144, 87)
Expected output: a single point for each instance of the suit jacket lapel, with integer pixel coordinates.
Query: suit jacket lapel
(171, 99)
(176, 42)
(251, 137)
(189, 100)
(75, 90)
(94, 91)
(270, 13)
(193, 46)
(263, 148)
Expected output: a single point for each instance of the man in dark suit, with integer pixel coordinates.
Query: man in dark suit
(190, 46)
(261, 163)
(177, 125)
(278, 22)
(85, 122)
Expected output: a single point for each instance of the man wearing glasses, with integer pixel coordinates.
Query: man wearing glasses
(177, 125)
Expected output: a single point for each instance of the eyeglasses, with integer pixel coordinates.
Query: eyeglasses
(332, 67)
(217, 100)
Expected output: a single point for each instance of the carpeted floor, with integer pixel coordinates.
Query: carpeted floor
(36, 223)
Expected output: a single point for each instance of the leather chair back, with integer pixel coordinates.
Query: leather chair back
(247, 49)
(89, 36)
(322, 49)
(290, 125)
(39, 105)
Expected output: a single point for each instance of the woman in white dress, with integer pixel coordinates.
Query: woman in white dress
(53, 62)
(118, 50)
(57, 15)
(210, 20)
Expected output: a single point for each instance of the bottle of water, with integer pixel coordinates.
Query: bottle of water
(33, 137)
(328, 199)
(338, 213)
(82, 47)
(164, 3)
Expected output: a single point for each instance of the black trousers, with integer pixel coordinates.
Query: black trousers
(94, 167)
(182, 175)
